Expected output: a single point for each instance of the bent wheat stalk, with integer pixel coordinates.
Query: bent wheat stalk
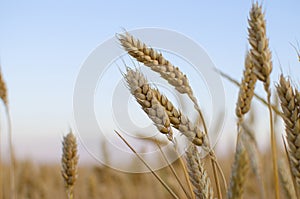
(148, 166)
(69, 162)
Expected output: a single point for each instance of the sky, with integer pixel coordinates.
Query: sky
(43, 45)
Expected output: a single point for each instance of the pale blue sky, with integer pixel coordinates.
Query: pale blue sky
(44, 43)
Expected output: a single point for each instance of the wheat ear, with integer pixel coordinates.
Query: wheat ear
(69, 163)
(141, 90)
(247, 87)
(261, 58)
(161, 110)
(286, 180)
(290, 104)
(198, 175)
(239, 172)
(254, 156)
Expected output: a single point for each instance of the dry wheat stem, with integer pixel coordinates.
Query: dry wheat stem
(173, 171)
(69, 163)
(239, 172)
(290, 104)
(261, 59)
(147, 165)
(198, 175)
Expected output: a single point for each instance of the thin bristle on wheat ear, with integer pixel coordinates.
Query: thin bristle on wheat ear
(290, 104)
(239, 172)
(198, 175)
(246, 89)
(69, 163)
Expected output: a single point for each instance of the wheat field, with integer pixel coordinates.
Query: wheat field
(248, 172)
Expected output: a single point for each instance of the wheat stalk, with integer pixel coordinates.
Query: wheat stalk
(261, 58)
(69, 163)
(290, 104)
(198, 175)
(239, 172)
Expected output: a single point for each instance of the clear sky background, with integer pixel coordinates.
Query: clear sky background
(44, 43)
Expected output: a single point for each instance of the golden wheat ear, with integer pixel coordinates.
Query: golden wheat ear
(247, 87)
(198, 175)
(290, 105)
(239, 172)
(69, 163)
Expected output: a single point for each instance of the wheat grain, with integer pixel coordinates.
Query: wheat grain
(69, 163)
(198, 175)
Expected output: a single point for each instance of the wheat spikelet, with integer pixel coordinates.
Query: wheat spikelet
(290, 106)
(286, 180)
(260, 52)
(246, 89)
(69, 163)
(239, 172)
(198, 175)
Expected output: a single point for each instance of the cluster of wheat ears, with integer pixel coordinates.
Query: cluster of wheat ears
(166, 117)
